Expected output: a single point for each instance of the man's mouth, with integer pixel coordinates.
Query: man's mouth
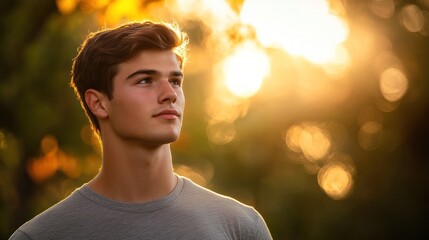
(168, 114)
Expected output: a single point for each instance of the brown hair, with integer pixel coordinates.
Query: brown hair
(99, 55)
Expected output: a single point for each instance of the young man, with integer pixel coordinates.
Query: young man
(129, 81)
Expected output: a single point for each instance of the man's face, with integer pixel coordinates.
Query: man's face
(148, 101)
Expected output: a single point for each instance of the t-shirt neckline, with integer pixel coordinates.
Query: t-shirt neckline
(154, 205)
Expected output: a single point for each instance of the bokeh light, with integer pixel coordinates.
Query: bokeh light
(315, 143)
(412, 18)
(49, 144)
(245, 69)
(220, 133)
(192, 174)
(385, 60)
(310, 139)
(66, 6)
(52, 160)
(393, 84)
(336, 180)
(369, 135)
(382, 8)
(224, 107)
(293, 136)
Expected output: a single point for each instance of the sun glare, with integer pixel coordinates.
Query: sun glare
(245, 69)
(301, 28)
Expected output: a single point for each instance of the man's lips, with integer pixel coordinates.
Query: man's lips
(169, 113)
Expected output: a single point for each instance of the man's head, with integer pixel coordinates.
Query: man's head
(100, 54)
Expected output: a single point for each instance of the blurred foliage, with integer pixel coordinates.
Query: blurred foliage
(47, 150)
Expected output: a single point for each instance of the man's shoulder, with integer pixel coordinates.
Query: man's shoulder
(62, 214)
(237, 218)
(205, 198)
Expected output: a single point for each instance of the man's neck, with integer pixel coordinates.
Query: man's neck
(135, 174)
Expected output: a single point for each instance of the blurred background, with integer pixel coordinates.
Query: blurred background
(315, 112)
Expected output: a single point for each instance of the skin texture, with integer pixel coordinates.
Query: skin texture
(137, 126)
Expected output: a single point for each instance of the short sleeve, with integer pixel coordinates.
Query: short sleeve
(262, 231)
(18, 235)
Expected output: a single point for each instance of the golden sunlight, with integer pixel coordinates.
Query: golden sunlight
(245, 69)
(303, 28)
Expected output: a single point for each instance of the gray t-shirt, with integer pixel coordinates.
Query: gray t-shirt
(188, 212)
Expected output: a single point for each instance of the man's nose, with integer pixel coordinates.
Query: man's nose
(167, 93)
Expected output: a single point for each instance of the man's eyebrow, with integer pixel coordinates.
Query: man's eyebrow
(153, 72)
(177, 73)
(143, 71)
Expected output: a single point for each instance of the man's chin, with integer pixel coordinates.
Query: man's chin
(166, 139)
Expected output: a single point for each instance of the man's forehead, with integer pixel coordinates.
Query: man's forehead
(154, 72)
(162, 61)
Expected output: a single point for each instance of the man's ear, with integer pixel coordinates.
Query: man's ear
(97, 103)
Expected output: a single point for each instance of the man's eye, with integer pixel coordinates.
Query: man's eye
(145, 81)
(176, 82)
